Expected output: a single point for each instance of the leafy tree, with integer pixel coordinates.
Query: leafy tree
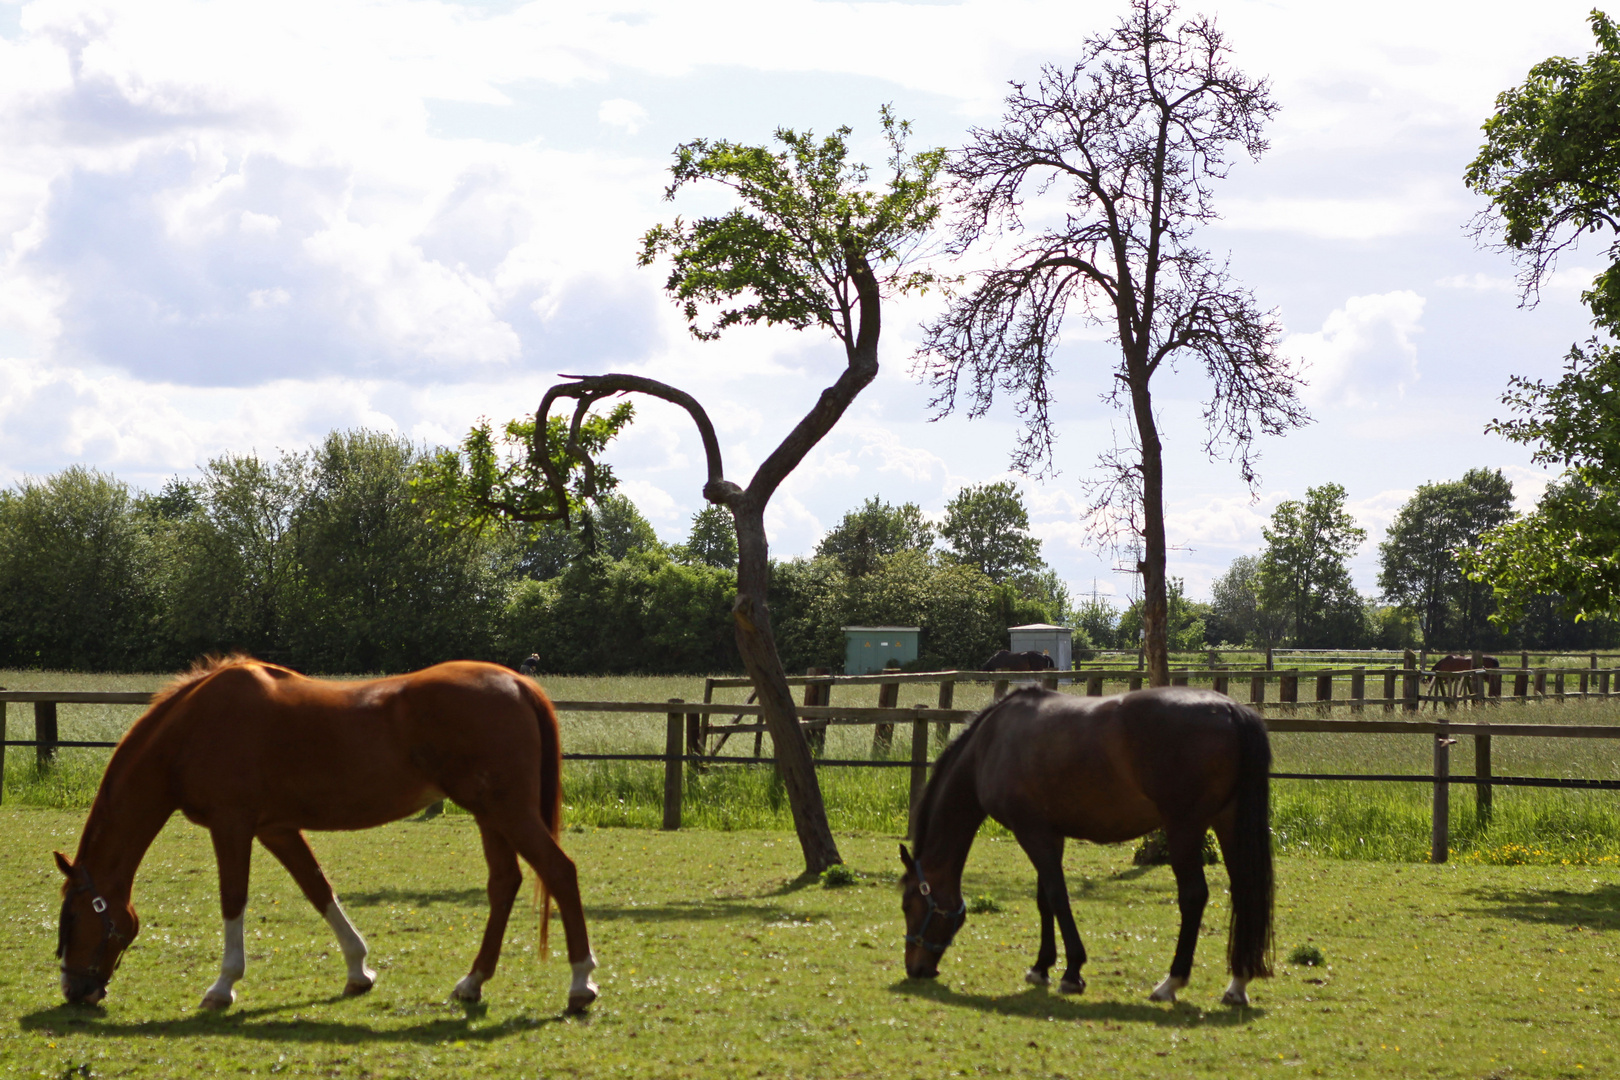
(1569, 544)
(1045, 588)
(713, 539)
(876, 530)
(177, 499)
(987, 525)
(1551, 167)
(76, 575)
(1134, 135)
(813, 243)
(616, 527)
(1186, 622)
(1303, 575)
(1099, 620)
(1419, 563)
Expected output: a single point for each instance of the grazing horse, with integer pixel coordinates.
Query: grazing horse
(1446, 673)
(248, 749)
(1019, 661)
(1049, 766)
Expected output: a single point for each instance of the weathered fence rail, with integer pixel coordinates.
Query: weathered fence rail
(688, 730)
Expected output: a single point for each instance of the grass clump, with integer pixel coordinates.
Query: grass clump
(1306, 956)
(984, 904)
(837, 876)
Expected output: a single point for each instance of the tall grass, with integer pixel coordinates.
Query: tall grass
(1379, 821)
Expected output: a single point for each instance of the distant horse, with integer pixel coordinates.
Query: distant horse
(248, 749)
(1050, 766)
(1445, 673)
(1019, 661)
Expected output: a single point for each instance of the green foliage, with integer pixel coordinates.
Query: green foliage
(77, 587)
(1306, 956)
(501, 477)
(1185, 620)
(1098, 620)
(1420, 562)
(988, 525)
(984, 904)
(1570, 543)
(874, 531)
(713, 539)
(811, 223)
(1303, 575)
(1551, 166)
(837, 876)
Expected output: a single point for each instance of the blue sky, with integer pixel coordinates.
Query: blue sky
(234, 227)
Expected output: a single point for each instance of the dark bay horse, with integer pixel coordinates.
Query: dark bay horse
(1019, 661)
(248, 749)
(1050, 766)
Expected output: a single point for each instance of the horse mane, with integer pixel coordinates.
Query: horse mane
(947, 761)
(200, 669)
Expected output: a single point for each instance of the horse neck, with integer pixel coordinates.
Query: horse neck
(131, 807)
(953, 822)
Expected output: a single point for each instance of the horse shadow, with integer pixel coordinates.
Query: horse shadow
(1595, 909)
(470, 897)
(1039, 1003)
(457, 1023)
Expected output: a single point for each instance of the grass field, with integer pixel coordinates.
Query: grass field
(717, 960)
(1344, 820)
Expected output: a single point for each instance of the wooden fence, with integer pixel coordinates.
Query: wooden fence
(690, 730)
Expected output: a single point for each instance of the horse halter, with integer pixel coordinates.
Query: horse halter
(109, 931)
(959, 916)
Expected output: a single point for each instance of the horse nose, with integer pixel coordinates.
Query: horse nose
(83, 991)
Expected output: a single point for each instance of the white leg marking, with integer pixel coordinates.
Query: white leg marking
(470, 988)
(582, 991)
(1166, 991)
(221, 995)
(1037, 978)
(354, 949)
(1237, 993)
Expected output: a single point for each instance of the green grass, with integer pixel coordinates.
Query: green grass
(717, 959)
(1327, 819)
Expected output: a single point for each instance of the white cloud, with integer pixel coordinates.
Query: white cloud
(623, 114)
(1364, 353)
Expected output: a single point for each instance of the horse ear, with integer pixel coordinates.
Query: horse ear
(62, 863)
(905, 856)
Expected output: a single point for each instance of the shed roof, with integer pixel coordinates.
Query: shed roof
(874, 629)
(1038, 626)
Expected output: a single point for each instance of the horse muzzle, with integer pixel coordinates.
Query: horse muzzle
(83, 989)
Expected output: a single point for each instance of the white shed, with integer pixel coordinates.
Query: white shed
(1054, 641)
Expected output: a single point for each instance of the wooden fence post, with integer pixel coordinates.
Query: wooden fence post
(919, 761)
(1440, 839)
(1358, 689)
(1220, 682)
(2, 751)
(1558, 686)
(45, 736)
(673, 731)
(1324, 693)
(883, 734)
(999, 690)
(814, 694)
(1050, 681)
(1257, 690)
(1409, 691)
(1603, 683)
(1482, 772)
(1094, 686)
(1541, 682)
(708, 697)
(1288, 689)
(1389, 691)
(1521, 683)
(1178, 679)
(947, 698)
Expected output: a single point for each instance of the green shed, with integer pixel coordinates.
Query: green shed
(868, 649)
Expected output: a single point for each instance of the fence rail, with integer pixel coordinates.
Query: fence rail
(689, 731)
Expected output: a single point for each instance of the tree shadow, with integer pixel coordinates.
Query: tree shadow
(695, 910)
(1596, 909)
(252, 1024)
(798, 884)
(1039, 1003)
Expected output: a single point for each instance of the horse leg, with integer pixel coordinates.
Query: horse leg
(505, 876)
(233, 851)
(1192, 893)
(529, 835)
(1237, 991)
(1046, 852)
(1036, 976)
(292, 850)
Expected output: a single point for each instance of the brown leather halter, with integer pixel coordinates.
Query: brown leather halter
(109, 933)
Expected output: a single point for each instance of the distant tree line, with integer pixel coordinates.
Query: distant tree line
(341, 559)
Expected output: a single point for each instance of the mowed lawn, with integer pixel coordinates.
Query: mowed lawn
(718, 960)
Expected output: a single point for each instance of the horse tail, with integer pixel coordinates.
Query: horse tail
(1249, 943)
(551, 796)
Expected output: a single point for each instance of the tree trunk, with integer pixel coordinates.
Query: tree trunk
(758, 648)
(1155, 597)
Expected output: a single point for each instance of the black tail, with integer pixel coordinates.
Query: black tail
(1249, 942)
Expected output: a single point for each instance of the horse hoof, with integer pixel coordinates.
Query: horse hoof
(216, 1003)
(1235, 997)
(356, 987)
(1166, 990)
(1075, 985)
(578, 1003)
(1037, 978)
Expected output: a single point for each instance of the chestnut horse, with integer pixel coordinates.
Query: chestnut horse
(1050, 766)
(248, 749)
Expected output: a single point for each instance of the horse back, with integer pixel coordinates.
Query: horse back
(1109, 769)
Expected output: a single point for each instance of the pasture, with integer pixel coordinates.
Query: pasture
(718, 960)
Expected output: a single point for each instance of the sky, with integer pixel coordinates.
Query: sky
(232, 228)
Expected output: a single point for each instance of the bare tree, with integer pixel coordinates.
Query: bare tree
(812, 245)
(1133, 135)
